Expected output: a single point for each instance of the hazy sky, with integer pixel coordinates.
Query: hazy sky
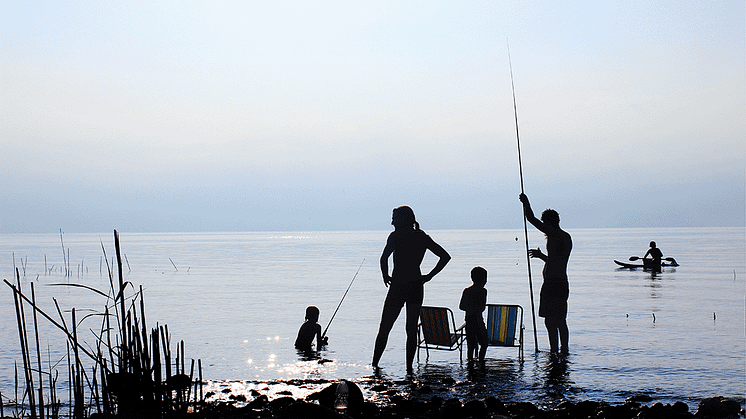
(295, 115)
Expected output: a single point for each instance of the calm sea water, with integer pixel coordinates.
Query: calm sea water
(238, 299)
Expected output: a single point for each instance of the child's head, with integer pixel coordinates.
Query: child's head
(479, 276)
(312, 314)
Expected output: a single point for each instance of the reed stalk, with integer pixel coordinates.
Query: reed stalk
(38, 354)
(20, 317)
(69, 381)
(15, 366)
(201, 383)
(62, 242)
(77, 385)
(191, 380)
(123, 359)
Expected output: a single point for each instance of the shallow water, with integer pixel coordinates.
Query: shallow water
(238, 299)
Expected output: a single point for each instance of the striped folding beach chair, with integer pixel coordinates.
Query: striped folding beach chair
(437, 330)
(504, 322)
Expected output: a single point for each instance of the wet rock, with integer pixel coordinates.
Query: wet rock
(475, 409)
(494, 405)
(219, 410)
(625, 411)
(587, 408)
(410, 406)
(566, 406)
(660, 411)
(397, 399)
(239, 398)
(370, 410)
(305, 410)
(280, 403)
(640, 398)
(718, 407)
(680, 407)
(259, 403)
(522, 409)
(451, 409)
(328, 396)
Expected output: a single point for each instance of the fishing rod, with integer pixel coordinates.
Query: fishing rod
(525, 226)
(343, 298)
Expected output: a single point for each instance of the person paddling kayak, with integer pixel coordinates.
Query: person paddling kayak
(656, 257)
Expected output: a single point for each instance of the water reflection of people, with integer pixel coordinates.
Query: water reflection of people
(556, 377)
(555, 288)
(473, 302)
(408, 244)
(309, 330)
(656, 257)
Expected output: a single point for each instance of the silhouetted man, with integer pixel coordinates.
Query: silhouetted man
(555, 288)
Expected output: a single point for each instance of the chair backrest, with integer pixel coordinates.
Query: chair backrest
(502, 322)
(435, 325)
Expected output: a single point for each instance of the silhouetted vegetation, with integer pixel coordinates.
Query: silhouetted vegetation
(130, 371)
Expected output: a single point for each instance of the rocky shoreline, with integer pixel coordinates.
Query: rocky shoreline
(337, 400)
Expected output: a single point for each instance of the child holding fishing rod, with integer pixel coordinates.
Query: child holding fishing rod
(309, 330)
(312, 329)
(408, 244)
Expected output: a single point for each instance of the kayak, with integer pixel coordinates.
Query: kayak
(643, 265)
(628, 265)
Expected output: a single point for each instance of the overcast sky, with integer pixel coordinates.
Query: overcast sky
(316, 115)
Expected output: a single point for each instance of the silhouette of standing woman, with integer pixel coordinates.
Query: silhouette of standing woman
(406, 283)
(555, 288)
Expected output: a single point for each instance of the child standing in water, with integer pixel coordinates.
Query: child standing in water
(309, 330)
(473, 302)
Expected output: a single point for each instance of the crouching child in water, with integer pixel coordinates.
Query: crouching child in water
(473, 302)
(309, 330)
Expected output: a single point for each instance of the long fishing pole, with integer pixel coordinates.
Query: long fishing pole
(525, 226)
(343, 298)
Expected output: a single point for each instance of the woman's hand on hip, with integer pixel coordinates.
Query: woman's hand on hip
(386, 280)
